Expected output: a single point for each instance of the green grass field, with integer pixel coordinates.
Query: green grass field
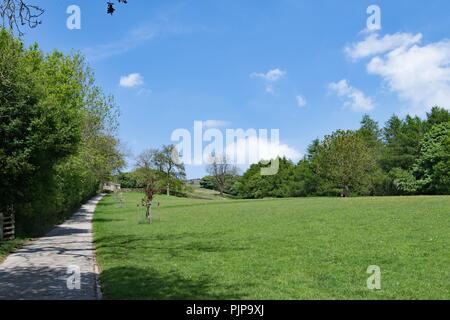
(312, 248)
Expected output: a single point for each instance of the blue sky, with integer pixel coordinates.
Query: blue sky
(304, 67)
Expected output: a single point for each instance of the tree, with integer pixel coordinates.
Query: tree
(433, 165)
(437, 116)
(253, 185)
(306, 180)
(208, 182)
(403, 181)
(149, 177)
(150, 180)
(402, 138)
(313, 149)
(346, 161)
(166, 161)
(41, 112)
(370, 132)
(221, 170)
(57, 133)
(111, 8)
(409, 156)
(127, 180)
(310, 180)
(18, 13)
(146, 159)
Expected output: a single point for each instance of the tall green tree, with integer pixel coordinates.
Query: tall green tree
(437, 116)
(253, 185)
(432, 167)
(370, 132)
(346, 161)
(402, 138)
(57, 132)
(40, 111)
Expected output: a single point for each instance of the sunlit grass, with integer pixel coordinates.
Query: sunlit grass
(316, 248)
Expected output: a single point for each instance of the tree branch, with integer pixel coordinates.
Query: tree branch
(16, 14)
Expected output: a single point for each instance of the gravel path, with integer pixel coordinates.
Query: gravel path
(59, 266)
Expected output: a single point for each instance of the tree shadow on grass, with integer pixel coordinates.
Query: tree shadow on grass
(103, 220)
(106, 204)
(136, 282)
(148, 284)
(176, 245)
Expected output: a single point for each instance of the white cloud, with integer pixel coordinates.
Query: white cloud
(418, 74)
(144, 91)
(270, 76)
(215, 123)
(301, 101)
(354, 98)
(132, 80)
(254, 149)
(374, 45)
(106, 50)
(135, 38)
(269, 88)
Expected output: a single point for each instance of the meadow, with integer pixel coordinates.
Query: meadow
(303, 248)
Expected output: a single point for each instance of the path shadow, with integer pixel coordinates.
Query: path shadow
(66, 231)
(44, 283)
(74, 250)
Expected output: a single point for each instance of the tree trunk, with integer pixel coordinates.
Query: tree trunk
(168, 189)
(149, 214)
(346, 192)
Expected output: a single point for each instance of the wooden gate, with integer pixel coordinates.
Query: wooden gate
(7, 225)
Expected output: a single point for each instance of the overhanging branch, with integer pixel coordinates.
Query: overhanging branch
(17, 14)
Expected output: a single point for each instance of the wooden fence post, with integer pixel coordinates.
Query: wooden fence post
(1, 226)
(9, 227)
